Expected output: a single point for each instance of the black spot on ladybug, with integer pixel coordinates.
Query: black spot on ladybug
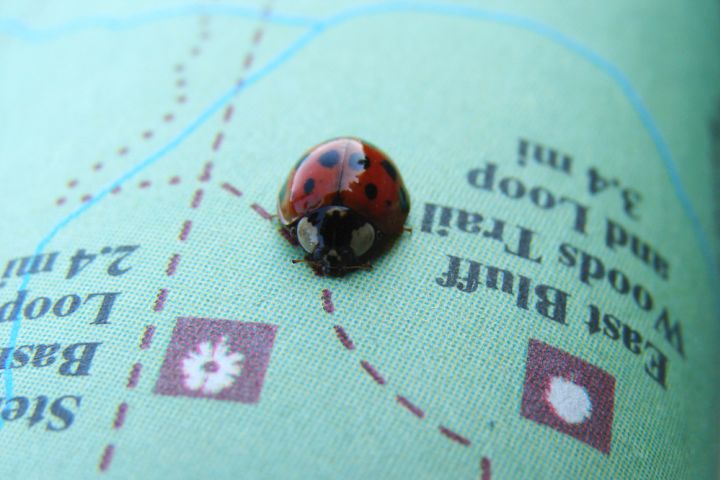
(404, 202)
(388, 203)
(371, 191)
(329, 159)
(358, 161)
(309, 186)
(390, 169)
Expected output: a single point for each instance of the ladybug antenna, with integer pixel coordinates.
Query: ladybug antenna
(304, 260)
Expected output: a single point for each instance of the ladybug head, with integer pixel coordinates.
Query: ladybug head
(335, 238)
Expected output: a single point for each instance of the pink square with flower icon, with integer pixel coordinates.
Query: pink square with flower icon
(219, 359)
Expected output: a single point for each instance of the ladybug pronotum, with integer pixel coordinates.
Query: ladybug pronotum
(341, 202)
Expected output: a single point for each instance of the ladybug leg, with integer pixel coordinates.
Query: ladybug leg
(407, 229)
(364, 266)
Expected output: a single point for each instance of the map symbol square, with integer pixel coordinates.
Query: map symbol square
(569, 394)
(216, 358)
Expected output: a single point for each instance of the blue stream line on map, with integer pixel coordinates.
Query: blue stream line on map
(316, 28)
(24, 32)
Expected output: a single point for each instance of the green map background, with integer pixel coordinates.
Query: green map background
(442, 94)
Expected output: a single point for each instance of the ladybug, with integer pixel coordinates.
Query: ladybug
(343, 200)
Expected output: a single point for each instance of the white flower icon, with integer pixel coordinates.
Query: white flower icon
(211, 367)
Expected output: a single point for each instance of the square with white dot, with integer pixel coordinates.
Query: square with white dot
(568, 394)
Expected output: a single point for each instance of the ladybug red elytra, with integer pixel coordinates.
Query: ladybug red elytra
(342, 200)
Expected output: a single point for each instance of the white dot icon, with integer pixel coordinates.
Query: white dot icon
(569, 400)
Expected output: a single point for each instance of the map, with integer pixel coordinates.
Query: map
(552, 314)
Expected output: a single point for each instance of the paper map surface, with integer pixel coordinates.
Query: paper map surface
(553, 314)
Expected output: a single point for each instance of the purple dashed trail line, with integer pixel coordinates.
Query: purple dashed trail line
(160, 300)
(217, 143)
(261, 211)
(226, 186)
(372, 372)
(344, 338)
(120, 416)
(147, 337)
(455, 437)
(106, 457)
(207, 172)
(172, 265)
(227, 116)
(142, 185)
(486, 472)
(197, 198)
(403, 401)
(328, 305)
(147, 134)
(248, 60)
(185, 230)
(134, 376)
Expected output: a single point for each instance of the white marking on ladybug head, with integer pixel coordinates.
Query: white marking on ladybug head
(307, 235)
(339, 211)
(362, 239)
